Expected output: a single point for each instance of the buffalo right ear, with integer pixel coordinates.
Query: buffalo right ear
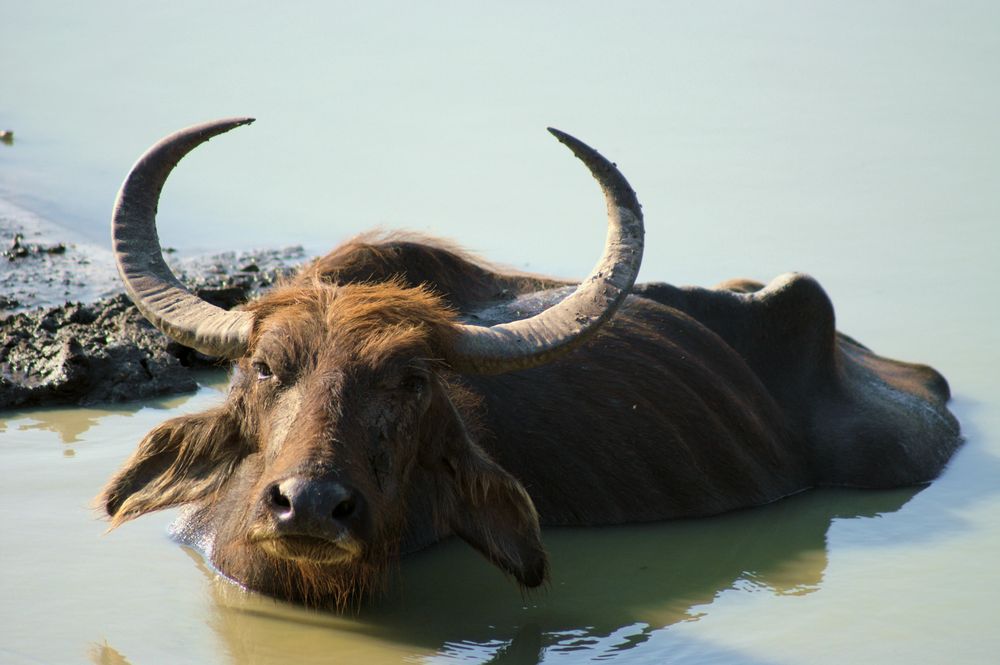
(181, 460)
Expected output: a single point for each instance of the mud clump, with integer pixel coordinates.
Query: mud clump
(105, 351)
(81, 354)
(19, 249)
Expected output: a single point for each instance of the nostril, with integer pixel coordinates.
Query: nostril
(303, 504)
(344, 509)
(278, 500)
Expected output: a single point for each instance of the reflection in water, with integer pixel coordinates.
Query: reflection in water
(70, 423)
(612, 589)
(526, 647)
(105, 654)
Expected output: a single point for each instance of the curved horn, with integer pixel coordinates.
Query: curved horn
(178, 313)
(541, 338)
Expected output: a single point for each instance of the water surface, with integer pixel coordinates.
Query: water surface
(855, 141)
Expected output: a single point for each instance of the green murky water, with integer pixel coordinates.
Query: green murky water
(855, 141)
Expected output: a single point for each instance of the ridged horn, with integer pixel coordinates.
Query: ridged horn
(162, 299)
(539, 339)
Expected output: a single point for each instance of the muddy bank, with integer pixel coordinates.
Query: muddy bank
(42, 264)
(69, 335)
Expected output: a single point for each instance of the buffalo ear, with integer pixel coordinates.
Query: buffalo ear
(495, 515)
(488, 508)
(181, 460)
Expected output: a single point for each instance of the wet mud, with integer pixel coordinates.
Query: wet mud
(69, 335)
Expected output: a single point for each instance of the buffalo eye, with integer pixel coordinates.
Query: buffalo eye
(413, 383)
(263, 370)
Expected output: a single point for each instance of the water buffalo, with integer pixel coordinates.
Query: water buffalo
(398, 391)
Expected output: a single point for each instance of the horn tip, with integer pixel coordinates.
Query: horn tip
(603, 169)
(559, 134)
(576, 146)
(226, 124)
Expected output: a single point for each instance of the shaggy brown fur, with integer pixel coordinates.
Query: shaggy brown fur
(463, 280)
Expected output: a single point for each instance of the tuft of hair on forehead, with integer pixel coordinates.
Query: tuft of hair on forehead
(372, 319)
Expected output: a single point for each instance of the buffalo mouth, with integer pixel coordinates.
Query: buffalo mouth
(301, 547)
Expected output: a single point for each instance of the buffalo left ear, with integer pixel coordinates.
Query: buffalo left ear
(495, 515)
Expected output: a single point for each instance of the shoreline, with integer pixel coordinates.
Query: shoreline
(70, 336)
(42, 277)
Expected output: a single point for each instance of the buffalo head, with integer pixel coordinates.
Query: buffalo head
(345, 438)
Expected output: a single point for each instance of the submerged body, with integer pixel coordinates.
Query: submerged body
(689, 401)
(362, 422)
